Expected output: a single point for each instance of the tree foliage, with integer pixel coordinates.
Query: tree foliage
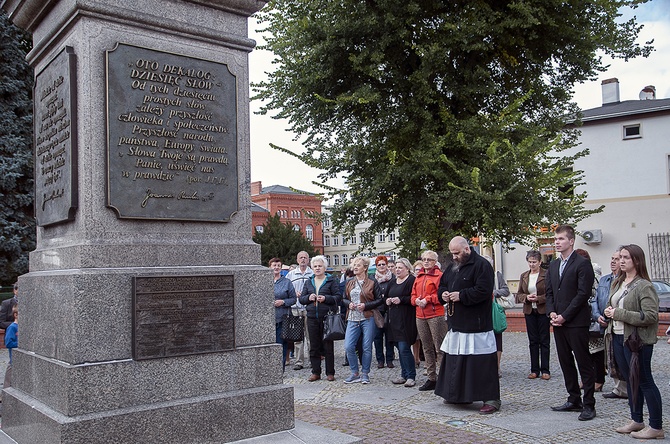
(442, 117)
(282, 241)
(17, 225)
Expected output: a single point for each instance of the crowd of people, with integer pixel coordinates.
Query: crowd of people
(600, 324)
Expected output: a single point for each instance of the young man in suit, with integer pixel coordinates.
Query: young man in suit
(569, 284)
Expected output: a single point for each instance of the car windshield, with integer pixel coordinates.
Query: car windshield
(661, 287)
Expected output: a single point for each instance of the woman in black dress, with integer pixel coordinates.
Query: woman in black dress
(401, 320)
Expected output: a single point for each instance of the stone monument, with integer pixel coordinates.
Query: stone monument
(145, 316)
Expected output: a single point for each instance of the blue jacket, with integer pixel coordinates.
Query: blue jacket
(283, 289)
(12, 338)
(599, 303)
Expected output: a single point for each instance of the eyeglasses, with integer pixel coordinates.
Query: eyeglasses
(425, 259)
(381, 264)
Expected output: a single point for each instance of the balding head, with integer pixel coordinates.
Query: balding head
(459, 249)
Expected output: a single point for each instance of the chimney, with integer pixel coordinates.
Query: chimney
(610, 91)
(256, 188)
(648, 93)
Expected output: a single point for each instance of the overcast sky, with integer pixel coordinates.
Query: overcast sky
(276, 168)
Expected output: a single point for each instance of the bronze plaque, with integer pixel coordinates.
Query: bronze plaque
(172, 136)
(182, 315)
(55, 136)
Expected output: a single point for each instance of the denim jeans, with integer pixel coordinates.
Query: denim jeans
(648, 391)
(354, 330)
(406, 359)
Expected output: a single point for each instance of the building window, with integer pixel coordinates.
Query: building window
(296, 227)
(392, 256)
(259, 228)
(345, 240)
(345, 259)
(381, 237)
(328, 258)
(326, 223)
(353, 239)
(335, 240)
(309, 232)
(632, 131)
(360, 238)
(336, 260)
(392, 237)
(326, 241)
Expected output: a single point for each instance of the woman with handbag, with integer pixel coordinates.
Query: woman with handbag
(284, 294)
(633, 311)
(362, 295)
(531, 294)
(320, 295)
(500, 297)
(401, 325)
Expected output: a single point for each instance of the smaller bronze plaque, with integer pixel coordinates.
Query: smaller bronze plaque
(55, 123)
(182, 315)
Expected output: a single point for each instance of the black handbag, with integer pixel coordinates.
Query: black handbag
(333, 327)
(292, 328)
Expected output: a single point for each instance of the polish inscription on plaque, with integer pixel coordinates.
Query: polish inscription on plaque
(55, 133)
(182, 315)
(172, 136)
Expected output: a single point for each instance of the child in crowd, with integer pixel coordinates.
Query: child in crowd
(12, 333)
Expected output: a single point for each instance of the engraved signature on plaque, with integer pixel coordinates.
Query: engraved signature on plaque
(182, 315)
(172, 136)
(55, 140)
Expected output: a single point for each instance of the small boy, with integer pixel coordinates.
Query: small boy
(12, 333)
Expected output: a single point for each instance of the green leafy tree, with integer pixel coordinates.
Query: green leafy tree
(17, 225)
(282, 241)
(442, 117)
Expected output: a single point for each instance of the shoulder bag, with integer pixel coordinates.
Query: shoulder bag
(333, 327)
(292, 328)
(499, 318)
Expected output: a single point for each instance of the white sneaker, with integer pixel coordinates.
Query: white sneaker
(410, 383)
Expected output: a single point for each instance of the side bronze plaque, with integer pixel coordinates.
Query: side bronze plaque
(182, 315)
(171, 136)
(55, 135)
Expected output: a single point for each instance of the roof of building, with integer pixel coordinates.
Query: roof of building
(625, 108)
(281, 189)
(257, 208)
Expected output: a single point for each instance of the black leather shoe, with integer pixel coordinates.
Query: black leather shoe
(428, 385)
(568, 407)
(587, 414)
(612, 395)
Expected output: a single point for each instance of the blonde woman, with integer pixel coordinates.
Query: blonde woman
(362, 295)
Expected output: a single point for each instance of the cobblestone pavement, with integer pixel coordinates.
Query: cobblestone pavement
(381, 412)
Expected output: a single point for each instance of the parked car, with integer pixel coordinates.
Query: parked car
(663, 291)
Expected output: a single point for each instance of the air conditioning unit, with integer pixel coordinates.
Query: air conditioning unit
(593, 236)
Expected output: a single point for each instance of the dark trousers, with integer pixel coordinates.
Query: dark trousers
(647, 391)
(598, 359)
(572, 344)
(318, 347)
(381, 341)
(537, 327)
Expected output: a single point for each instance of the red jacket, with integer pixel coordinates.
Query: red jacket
(425, 287)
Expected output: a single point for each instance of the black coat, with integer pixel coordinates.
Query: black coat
(6, 315)
(330, 289)
(474, 281)
(401, 324)
(568, 295)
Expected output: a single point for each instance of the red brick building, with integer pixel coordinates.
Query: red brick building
(291, 206)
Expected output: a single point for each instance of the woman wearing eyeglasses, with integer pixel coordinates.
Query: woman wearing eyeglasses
(633, 305)
(430, 321)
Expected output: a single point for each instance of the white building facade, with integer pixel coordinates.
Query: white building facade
(340, 249)
(627, 171)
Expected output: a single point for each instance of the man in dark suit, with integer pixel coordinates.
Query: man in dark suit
(6, 314)
(569, 284)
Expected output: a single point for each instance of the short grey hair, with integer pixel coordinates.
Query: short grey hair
(320, 258)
